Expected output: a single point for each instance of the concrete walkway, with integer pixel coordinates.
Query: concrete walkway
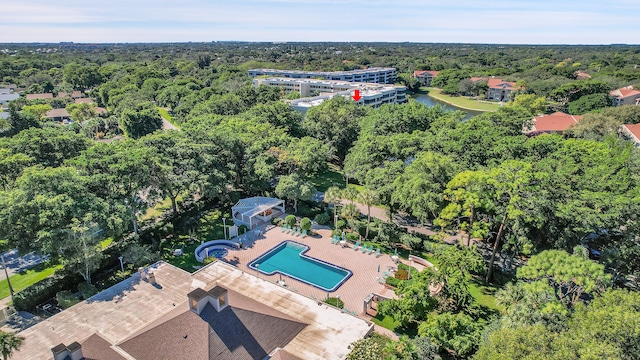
(166, 125)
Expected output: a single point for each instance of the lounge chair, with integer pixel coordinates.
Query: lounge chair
(370, 251)
(304, 233)
(377, 252)
(296, 231)
(357, 246)
(335, 239)
(365, 248)
(284, 228)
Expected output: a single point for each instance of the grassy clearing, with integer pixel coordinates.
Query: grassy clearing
(327, 179)
(105, 243)
(462, 102)
(25, 278)
(187, 261)
(158, 209)
(484, 294)
(386, 322)
(165, 114)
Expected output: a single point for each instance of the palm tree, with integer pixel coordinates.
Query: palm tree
(350, 213)
(9, 343)
(333, 195)
(368, 197)
(350, 194)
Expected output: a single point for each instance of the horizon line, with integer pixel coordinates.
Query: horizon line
(308, 42)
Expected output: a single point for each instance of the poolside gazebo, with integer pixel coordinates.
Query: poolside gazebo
(256, 210)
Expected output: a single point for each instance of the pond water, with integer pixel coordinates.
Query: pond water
(429, 101)
(422, 98)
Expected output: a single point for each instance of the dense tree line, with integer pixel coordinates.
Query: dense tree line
(62, 189)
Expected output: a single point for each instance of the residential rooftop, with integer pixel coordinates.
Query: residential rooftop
(558, 122)
(138, 319)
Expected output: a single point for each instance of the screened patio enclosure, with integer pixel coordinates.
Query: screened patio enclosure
(256, 210)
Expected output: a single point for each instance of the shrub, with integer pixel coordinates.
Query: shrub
(277, 221)
(402, 274)
(352, 237)
(390, 233)
(335, 302)
(411, 241)
(87, 290)
(322, 219)
(305, 224)
(341, 224)
(66, 299)
(589, 103)
(290, 220)
(208, 260)
(242, 229)
(34, 295)
(392, 281)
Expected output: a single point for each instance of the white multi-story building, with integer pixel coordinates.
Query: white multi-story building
(314, 92)
(625, 96)
(371, 75)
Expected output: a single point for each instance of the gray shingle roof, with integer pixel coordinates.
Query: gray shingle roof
(235, 333)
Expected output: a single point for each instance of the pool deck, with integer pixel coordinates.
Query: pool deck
(363, 282)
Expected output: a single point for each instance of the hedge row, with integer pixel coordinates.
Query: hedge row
(36, 294)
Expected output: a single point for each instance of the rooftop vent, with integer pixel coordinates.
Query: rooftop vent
(73, 351)
(199, 298)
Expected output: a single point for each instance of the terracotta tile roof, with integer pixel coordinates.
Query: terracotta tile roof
(430, 72)
(624, 92)
(246, 329)
(53, 113)
(96, 347)
(75, 94)
(633, 129)
(474, 79)
(556, 122)
(83, 100)
(581, 75)
(495, 83)
(39, 96)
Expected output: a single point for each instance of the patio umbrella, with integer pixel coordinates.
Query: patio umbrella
(378, 267)
(395, 252)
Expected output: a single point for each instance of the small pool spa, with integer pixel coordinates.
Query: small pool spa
(288, 258)
(217, 252)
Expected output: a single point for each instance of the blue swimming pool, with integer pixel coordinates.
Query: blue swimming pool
(288, 258)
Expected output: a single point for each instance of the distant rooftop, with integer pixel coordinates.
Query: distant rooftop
(557, 122)
(356, 71)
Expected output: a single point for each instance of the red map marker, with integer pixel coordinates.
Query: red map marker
(356, 95)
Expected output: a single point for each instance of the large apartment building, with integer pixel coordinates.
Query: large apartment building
(372, 75)
(314, 92)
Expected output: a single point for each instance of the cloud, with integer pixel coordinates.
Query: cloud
(496, 21)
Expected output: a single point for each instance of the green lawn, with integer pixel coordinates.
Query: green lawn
(461, 101)
(484, 294)
(327, 179)
(165, 114)
(187, 261)
(25, 278)
(159, 208)
(386, 322)
(106, 242)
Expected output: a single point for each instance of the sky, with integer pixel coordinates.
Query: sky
(452, 21)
